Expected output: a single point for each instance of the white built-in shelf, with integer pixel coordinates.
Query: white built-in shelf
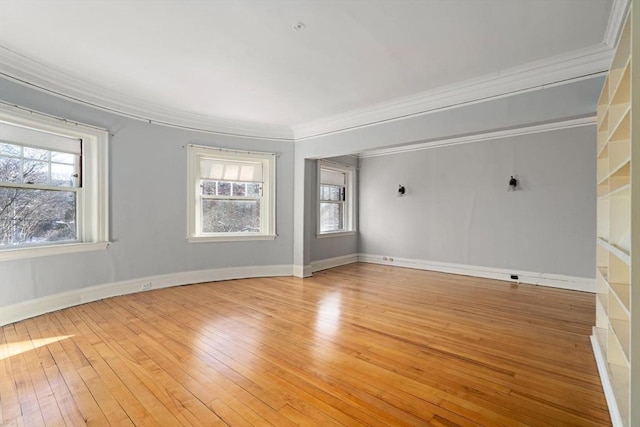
(624, 256)
(618, 201)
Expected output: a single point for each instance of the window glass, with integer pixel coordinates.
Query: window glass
(336, 201)
(234, 195)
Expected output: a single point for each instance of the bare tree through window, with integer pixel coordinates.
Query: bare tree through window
(37, 195)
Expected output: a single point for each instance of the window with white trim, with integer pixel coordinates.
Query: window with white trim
(53, 185)
(231, 195)
(336, 198)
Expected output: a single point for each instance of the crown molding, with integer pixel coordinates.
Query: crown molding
(26, 71)
(619, 9)
(487, 136)
(557, 70)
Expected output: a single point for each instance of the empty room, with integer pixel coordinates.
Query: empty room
(319, 213)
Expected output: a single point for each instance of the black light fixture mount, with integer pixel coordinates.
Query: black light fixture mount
(401, 190)
(513, 183)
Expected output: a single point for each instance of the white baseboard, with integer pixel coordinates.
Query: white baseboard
(302, 271)
(601, 363)
(38, 306)
(545, 279)
(333, 262)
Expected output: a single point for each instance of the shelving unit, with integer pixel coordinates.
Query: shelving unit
(616, 335)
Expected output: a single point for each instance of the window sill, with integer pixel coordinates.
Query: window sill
(40, 251)
(335, 234)
(230, 238)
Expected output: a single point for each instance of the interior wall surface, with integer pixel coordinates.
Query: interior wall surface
(148, 207)
(576, 99)
(459, 207)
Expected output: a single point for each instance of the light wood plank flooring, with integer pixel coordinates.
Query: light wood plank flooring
(356, 345)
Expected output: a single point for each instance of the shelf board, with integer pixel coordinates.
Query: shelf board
(621, 129)
(622, 87)
(603, 190)
(622, 255)
(603, 126)
(615, 353)
(617, 191)
(621, 332)
(623, 293)
(603, 151)
(604, 272)
(622, 169)
(618, 151)
(602, 316)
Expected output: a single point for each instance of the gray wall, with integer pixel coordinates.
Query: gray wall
(458, 208)
(147, 208)
(545, 105)
(148, 201)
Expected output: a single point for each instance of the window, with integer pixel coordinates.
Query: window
(53, 185)
(231, 195)
(336, 199)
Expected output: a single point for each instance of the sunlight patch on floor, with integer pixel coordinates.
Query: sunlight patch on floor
(14, 348)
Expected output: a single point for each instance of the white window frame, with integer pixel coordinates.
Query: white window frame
(349, 203)
(92, 197)
(267, 200)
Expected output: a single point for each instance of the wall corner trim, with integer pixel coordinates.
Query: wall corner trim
(302, 271)
(35, 307)
(573, 283)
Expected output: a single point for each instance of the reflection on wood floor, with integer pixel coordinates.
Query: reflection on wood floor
(356, 345)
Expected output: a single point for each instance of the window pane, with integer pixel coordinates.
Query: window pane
(230, 216)
(34, 172)
(331, 192)
(10, 169)
(224, 189)
(238, 189)
(62, 175)
(209, 188)
(253, 189)
(66, 158)
(9, 150)
(36, 153)
(36, 216)
(331, 217)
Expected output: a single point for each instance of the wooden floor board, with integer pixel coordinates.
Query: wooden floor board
(358, 345)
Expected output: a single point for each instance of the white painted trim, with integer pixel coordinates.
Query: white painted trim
(614, 412)
(619, 9)
(324, 264)
(60, 249)
(554, 71)
(28, 72)
(246, 237)
(547, 127)
(302, 271)
(583, 284)
(38, 306)
(335, 234)
(624, 257)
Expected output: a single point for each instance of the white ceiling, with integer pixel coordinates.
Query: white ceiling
(242, 60)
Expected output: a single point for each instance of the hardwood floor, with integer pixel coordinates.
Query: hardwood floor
(357, 345)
